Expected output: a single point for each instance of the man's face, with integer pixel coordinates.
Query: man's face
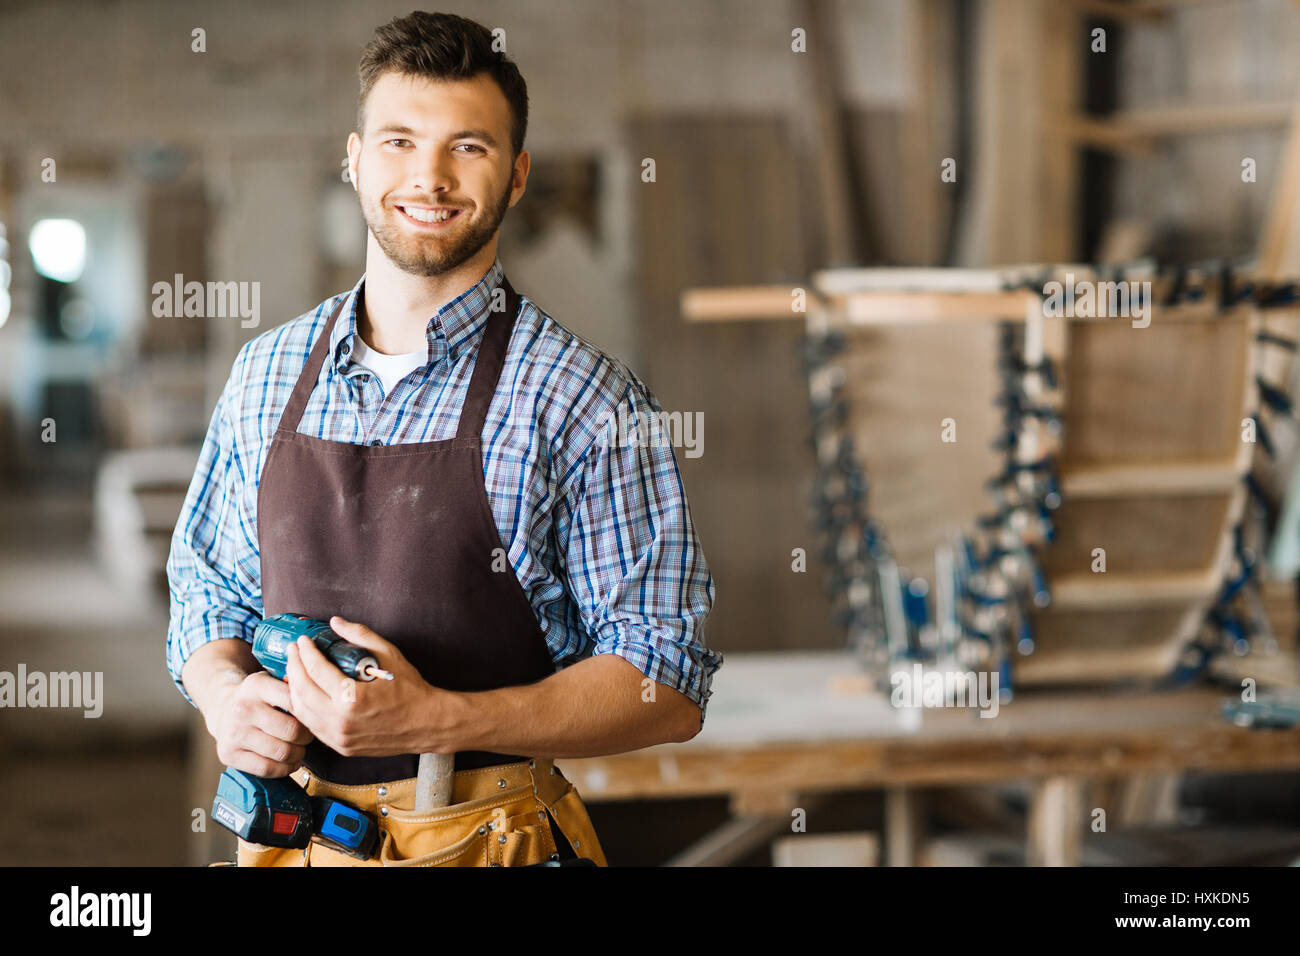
(433, 149)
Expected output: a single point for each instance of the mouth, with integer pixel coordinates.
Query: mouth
(429, 217)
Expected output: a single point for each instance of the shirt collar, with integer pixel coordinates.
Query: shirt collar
(458, 322)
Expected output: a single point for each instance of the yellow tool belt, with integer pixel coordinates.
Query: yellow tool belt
(497, 817)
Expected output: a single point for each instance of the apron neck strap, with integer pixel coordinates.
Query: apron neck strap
(487, 367)
(302, 389)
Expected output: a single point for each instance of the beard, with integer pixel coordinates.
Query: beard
(429, 255)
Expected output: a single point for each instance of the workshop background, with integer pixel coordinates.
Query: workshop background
(129, 158)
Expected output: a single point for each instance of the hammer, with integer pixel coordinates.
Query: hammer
(433, 781)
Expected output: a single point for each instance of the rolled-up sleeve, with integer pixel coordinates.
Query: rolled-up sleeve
(213, 568)
(633, 561)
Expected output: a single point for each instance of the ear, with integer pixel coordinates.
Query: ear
(519, 177)
(354, 152)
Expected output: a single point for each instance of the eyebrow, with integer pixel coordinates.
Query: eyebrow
(479, 134)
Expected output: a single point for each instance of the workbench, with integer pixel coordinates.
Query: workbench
(783, 727)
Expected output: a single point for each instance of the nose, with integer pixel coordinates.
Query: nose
(433, 173)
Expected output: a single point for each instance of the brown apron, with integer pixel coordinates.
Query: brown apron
(402, 539)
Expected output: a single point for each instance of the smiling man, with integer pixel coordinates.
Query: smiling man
(425, 461)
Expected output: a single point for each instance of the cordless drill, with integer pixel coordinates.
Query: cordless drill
(276, 811)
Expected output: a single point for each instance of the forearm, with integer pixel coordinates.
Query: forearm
(599, 706)
(216, 668)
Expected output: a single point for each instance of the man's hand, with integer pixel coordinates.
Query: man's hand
(251, 734)
(367, 718)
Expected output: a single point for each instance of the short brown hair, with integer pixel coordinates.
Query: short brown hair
(442, 46)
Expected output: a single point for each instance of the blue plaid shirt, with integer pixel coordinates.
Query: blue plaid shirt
(599, 532)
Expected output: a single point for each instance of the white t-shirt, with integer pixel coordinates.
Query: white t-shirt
(391, 369)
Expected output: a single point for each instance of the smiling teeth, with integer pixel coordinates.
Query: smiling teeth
(428, 215)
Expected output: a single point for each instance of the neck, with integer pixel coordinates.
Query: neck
(397, 306)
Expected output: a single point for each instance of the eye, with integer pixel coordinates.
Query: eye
(472, 146)
(399, 141)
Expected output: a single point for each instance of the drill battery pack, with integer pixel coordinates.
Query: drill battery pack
(275, 811)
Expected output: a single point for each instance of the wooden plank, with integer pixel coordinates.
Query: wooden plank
(1177, 478)
(1035, 736)
(903, 381)
(1084, 664)
(1146, 798)
(827, 849)
(740, 303)
(912, 307)
(836, 210)
(1056, 815)
(927, 132)
(743, 303)
(1279, 249)
(842, 282)
(742, 492)
(904, 821)
(1139, 533)
(1166, 392)
(1022, 174)
(1061, 47)
(1113, 590)
(1091, 645)
(1139, 128)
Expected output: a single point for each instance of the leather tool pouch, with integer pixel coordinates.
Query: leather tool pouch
(499, 817)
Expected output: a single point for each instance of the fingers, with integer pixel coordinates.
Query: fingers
(359, 634)
(256, 712)
(308, 698)
(319, 668)
(281, 726)
(254, 763)
(272, 748)
(275, 692)
(252, 749)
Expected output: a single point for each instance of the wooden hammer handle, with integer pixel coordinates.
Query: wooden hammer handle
(434, 780)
